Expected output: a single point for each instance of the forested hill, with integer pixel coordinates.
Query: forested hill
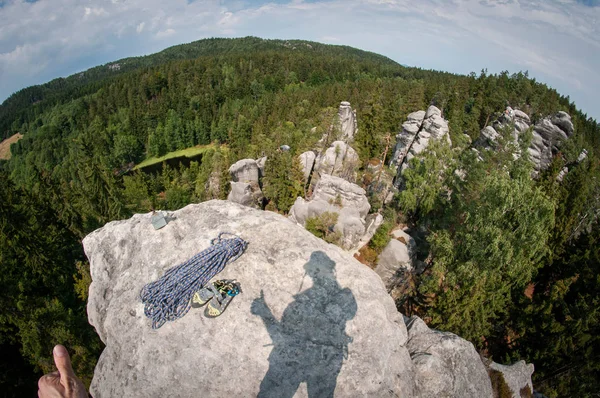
(33, 100)
(222, 100)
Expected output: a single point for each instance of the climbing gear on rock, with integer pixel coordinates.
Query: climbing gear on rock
(224, 292)
(169, 298)
(158, 220)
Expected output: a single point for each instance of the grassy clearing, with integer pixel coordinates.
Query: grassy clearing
(189, 152)
(5, 145)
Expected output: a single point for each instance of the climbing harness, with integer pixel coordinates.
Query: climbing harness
(169, 298)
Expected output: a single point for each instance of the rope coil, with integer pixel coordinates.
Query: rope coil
(169, 297)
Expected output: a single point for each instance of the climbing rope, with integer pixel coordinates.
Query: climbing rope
(169, 298)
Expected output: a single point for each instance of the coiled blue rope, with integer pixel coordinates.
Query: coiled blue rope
(169, 298)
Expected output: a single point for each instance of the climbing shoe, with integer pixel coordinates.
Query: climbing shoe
(202, 296)
(227, 290)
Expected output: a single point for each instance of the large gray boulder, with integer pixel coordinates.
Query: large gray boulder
(548, 135)
(308, 313)
(445, 364)
(407, 135)
(336, 195)
(396, 259)
(307, 161)
(348, 124)
(245, 185)
(245, 170)
(339, 160)
(246, 194)
(517, 376)
(410, 144)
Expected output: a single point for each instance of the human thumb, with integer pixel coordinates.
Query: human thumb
(63, 364)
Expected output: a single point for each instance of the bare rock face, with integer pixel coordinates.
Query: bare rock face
(410, 143)
(396, 259)
(310, 321)
(307, 161)
(445, 364)
(548, 135)
(336, 195)
(405, 138)
(245, 170)
(246, 194)
(245, 187)
(347, 121)
(517, 376)
(339, 160)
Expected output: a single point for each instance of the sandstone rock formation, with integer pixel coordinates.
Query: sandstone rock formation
(517, 376)
(396, 259)
(416, 133)
(445, 365)
(336, 195)
(339, 160)
(307, 312)
(245, 186)
(245, 170)
(307, 161)
(405, 138)
(310, 321)
(548, 134)
(347, 121)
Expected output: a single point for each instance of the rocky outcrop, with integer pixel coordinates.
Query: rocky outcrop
(416, 133)
(396, 259)
(336, 195)
(339, 160)
(245, 186)
(245, 170)
(308, 313)
(517, 376)
(445, 365)
(310, 320)
(347, 121)
(547, 135)
(307, 161)
(405, 138)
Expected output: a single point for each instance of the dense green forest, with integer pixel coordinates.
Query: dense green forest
(491, 236)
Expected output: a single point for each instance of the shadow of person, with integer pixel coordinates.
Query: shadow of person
(310, 341)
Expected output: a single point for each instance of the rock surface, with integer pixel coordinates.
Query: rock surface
(339, 160)
(347, 121)
(245, 170)
(516, 376)
(547, 136)
(304, 305)
(416, 133)
(310, 320)
(445, 364)
(336, 195)
(307, 161)
(396, 259)
(245, 182)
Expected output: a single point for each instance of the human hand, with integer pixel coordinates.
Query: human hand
(63, 383)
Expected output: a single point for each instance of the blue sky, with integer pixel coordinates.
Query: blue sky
(557, 41)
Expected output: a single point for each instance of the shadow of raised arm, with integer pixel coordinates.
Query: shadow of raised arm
(259, 307)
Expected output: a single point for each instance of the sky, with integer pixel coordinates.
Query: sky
(557, 41)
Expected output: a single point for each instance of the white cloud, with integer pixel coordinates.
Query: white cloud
(558, 41)
(165, 33)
